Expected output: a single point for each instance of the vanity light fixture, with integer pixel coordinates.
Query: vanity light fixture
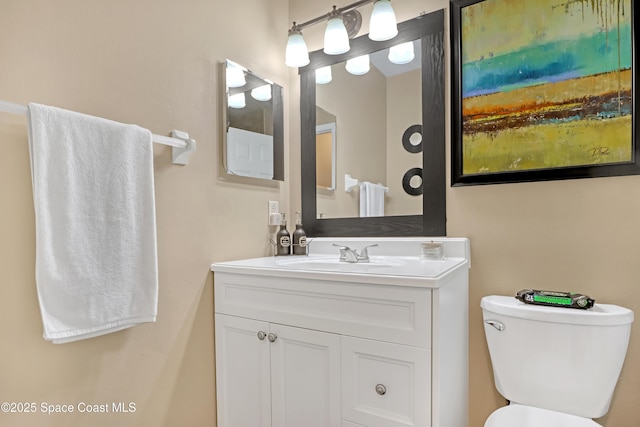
(237, 100)
(297, 54)
(402, 53)
(261, 93)
(383, 25)
(323, 75)
(358, 66)
(336, 39)
(343, 24)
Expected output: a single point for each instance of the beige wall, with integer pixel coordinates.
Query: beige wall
(153, 63)
(580, 235)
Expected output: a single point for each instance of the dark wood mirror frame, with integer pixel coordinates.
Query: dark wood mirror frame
(429, 28)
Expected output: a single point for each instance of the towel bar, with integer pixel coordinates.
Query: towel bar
(181, 145)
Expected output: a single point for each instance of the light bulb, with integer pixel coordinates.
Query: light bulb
(235, 75)
(336, 39)
(358, 66)
(402, 53)
(297, 54)
(383, 24)
(323, 75)
(237, 100)
(261, 93)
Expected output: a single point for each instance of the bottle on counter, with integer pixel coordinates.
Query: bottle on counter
(299, 238)
(283, 239)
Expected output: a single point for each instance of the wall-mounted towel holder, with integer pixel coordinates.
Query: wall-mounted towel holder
(180, 155)
(181, 145)
(350, 183)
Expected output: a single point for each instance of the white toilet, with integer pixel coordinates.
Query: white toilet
(557, 366)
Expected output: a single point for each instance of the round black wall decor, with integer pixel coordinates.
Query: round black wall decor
(406, 182)
(412, 139)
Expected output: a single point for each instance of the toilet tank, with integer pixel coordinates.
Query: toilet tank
(561, 359)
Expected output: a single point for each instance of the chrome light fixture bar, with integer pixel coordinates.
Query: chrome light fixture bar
(342, 24)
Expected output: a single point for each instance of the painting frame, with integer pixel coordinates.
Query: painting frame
(459, 157)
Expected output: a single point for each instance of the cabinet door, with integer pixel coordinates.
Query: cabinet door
(305, 378)
(242, 372)
(385, 385)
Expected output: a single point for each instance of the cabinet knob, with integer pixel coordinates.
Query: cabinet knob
(261, 335)
(272, 337)
(381, 389)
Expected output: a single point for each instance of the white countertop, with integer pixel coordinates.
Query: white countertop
(395, 261)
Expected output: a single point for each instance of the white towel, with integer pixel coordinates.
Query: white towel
(371, 199)
(96, 254)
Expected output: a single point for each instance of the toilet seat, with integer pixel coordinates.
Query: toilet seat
(528, 416)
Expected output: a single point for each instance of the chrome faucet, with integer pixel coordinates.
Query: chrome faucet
(351, 255)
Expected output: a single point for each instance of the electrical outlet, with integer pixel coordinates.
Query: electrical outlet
(273, 216)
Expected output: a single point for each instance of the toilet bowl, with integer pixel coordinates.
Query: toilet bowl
(558, 366)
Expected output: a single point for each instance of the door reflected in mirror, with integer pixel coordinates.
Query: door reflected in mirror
(384, 101)
(253, 124)
(326, 140)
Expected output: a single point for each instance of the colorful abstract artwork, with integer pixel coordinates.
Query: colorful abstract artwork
(544, 84)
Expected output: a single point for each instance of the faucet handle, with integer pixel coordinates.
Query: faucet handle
(343, 251)
(364, 253)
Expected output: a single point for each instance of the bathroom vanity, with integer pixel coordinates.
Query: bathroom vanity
(314, 341)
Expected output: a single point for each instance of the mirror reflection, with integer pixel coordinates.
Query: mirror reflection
(384, 102)
(253, 124)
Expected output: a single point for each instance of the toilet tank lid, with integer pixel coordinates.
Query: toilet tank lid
(600, 314)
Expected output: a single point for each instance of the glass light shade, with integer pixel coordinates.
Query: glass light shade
(237, 100)
(383, 24)
(235, 75)
(297, 54)
(323, 75)
(358, 66)
(336, 39)
(402, 53)
(261, 93)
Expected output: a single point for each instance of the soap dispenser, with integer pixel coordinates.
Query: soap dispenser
(299, 238)
(283, 239)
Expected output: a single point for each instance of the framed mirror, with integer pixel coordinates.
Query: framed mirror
(376, 111)
(252, 124)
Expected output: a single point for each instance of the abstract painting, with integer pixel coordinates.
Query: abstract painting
(543, 89)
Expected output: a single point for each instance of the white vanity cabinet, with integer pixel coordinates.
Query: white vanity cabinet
(301, 348)
(269, 374)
